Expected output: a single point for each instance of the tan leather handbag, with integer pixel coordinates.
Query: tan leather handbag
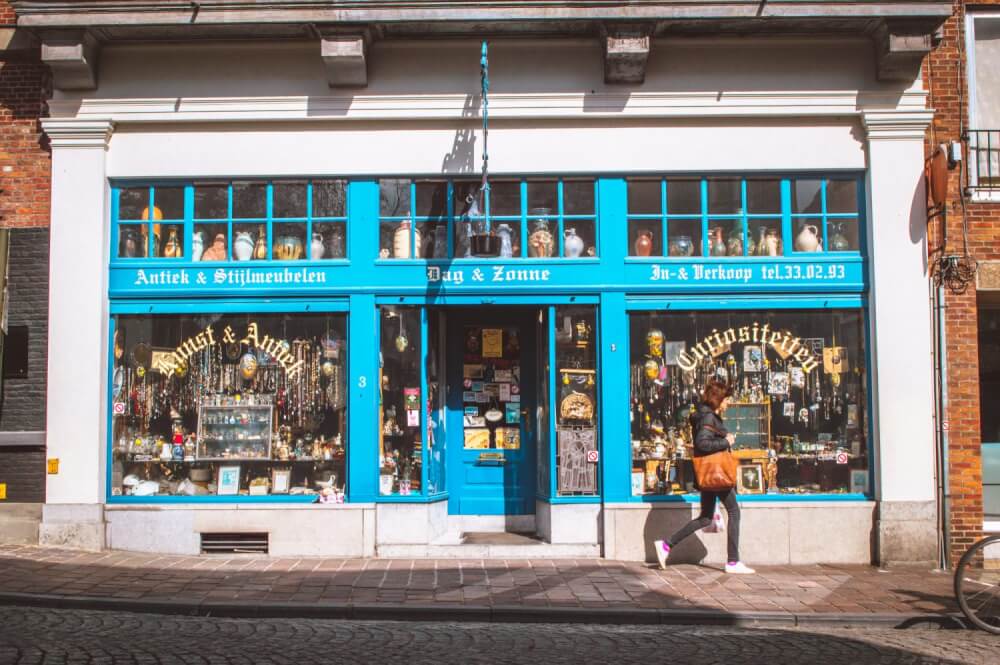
(716, 472)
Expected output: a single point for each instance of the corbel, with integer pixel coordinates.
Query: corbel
(626, 50)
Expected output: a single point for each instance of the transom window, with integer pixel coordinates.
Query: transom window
(740, 217)
(527, 218)
(232, 221)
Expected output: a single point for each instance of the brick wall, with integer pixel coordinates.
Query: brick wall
(24, 156)
(24, 207)
(946, 80)
(23, 405)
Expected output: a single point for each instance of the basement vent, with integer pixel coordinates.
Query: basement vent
(234, 543)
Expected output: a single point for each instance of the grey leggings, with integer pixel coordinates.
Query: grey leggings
(705, 518)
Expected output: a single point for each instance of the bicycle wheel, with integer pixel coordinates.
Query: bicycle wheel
(977, 584)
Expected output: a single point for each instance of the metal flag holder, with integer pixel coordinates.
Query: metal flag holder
(483, 242)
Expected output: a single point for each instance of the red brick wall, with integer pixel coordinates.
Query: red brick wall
(24, 157)
(946, 80)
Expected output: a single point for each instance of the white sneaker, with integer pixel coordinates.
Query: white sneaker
(739, 568)
(662, 552)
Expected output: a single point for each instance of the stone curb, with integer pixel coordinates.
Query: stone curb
(480, 613)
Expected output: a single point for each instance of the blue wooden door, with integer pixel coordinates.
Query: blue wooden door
(492, 376)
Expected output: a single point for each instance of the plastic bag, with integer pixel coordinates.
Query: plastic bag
(717, 525)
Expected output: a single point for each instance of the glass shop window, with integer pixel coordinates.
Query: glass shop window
(233, 221)
(576, 396)
(229, 405)
(528, 218)
(683, 217)
(798, 407)
(401, 439)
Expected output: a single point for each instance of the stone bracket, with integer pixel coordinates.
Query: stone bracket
(900, 48)
(626, 50)
(345, 57)
(72, 56)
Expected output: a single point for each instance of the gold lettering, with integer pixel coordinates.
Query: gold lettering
(744, 334)
(810, 364)
(211, 339)
(686, 362)
(252, 338)
(729, 337)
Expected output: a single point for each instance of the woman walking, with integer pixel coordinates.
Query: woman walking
(711, 436)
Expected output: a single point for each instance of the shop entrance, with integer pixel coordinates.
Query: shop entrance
(491, 397)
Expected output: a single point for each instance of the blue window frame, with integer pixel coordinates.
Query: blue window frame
(223, 221)
(532, 217)
(732, 216)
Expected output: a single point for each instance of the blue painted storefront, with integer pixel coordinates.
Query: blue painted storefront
(612, 281)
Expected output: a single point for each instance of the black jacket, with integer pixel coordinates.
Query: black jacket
(708, 431)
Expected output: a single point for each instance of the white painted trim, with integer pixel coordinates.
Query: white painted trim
(909, 125)
(991, 526)
(451, 107)
(81, 133)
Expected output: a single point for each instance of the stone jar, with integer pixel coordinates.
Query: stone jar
(643, 245)
(572, 244)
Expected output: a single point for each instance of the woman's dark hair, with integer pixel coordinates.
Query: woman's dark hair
(715, 392)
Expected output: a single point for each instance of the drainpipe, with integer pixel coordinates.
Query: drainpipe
(941, 428)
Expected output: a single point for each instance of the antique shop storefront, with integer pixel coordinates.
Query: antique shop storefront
(278, 324)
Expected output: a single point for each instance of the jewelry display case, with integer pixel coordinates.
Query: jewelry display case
(234, 432)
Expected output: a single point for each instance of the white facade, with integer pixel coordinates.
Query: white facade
(707, 105)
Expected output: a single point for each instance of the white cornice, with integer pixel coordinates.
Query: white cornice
(78, 133)
(510, 106)
(897, 125)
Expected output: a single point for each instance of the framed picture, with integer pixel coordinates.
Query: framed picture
(672, 352)
(753, 358)
(788, 410)
(750, 479)
(281, 481)
(796, 377)
(229, 480)
(638, 477)
(778, 383)
(859, 481)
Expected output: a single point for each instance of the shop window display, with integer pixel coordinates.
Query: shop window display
(742, 217)
(238, 404)
(798, 408)
(576, 397)
(238, 221)
(530, 218)
(401, 438)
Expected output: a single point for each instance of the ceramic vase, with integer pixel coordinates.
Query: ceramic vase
(643, 245)
(287, 248)
(260, 247)
(808, 239)
(243, 246)
(217, 252)
(506, 247)
(317, 249)
(572, 244)
(717, 243)
(401, 241)
(337, 242)
(681, 246)
(197, 245)
(838, 241)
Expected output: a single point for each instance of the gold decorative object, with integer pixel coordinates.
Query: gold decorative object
(576, 406)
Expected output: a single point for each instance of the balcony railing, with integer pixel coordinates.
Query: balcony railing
(983, 155)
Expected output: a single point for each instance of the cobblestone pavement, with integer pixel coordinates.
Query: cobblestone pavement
(37, 636)
(592, 583)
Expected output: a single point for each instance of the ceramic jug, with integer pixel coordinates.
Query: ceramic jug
(197, 245)
(808, 239)
(717, 244)
(572, 244)
(243, 246)
(260, 249)
(317, 249)
(217, 252)
(643, 245)
(504, 233)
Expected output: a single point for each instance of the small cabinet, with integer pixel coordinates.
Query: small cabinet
(235, 432)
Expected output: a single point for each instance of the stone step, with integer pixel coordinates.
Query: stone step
(491, 545)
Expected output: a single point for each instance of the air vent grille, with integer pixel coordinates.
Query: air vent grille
(234, 543)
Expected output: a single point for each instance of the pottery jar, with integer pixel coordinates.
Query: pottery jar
(287, 248)
(808, 239)
(540, 242)
(260, 247)
(772, 241)
(243, 246)
(217, 252)
(197, 245)
(172, 247)
(572, 244)
(643, 244)
(317, 249)
(401, 241)
(681, 246)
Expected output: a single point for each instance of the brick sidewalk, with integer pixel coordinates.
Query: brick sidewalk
(531, 584)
